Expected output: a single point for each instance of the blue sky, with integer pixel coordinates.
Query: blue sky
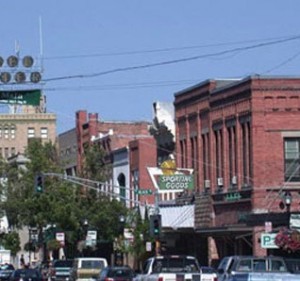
(103, 42)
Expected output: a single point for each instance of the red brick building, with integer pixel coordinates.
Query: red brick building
(112, 135)
(131, 148)
(242, 138)
(143, 154)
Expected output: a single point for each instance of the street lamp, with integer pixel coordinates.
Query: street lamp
(118, 253)
(288, 202)
(85, 226)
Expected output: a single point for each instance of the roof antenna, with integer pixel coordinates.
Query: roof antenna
(41, 42)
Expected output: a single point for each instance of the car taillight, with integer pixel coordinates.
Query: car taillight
(215, 278)
(109, 279)
(160, 279)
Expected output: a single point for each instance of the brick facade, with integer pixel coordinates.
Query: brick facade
(232, 133)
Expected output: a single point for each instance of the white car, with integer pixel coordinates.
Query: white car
(208, 273)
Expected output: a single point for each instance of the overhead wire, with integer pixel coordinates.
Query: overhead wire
(169, 62)
(184, 59)
(159, 50)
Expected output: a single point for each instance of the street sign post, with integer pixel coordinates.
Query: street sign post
(268, 241)
(143, 191)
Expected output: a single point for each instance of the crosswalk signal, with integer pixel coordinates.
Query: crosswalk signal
(39, 183)
(155, 226)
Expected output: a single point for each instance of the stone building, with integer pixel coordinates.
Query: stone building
(17, 129)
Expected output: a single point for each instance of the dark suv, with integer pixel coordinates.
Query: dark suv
(5, 271)
(116, 273)
(60, 270)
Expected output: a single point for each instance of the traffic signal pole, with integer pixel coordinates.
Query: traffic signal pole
(157, 237)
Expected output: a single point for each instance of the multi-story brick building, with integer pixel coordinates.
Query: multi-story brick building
(242, 138)
(115, 138)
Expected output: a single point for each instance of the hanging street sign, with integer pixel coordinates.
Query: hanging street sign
(143, 191)
(268, 241)
(91, 238)
(60, 237)
(175, 182)
(21, 97)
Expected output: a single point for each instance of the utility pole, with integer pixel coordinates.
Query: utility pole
(157, 237)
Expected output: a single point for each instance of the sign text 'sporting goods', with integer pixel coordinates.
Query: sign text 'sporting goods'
(176, 182)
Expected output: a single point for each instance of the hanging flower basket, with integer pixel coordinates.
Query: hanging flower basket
(288, 239)
(53, 245)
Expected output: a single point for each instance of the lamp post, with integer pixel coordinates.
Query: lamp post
(288, 202)
(85, 226)
(118, 257)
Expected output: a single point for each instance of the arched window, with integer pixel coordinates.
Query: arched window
(122, 186)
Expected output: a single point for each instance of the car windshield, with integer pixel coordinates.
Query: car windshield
(208, 270)
(63, 263)
(26, 273)
(175, 265)
(120, 272)
(6, 267)
(92, 264)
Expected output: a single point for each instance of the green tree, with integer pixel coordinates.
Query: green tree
(11, 241)
(141, 235)
(96, 164)
(62, 203)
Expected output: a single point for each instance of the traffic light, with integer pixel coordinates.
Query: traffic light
(155, 226)
(39, 183)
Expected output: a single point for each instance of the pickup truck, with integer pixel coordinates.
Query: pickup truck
(170, 268)
(246, 268)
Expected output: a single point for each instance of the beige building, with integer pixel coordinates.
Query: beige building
(18, 128)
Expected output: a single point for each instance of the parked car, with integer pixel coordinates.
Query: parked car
(60, 270)
(26, 274)
(5, 271)
(208, 273)
(116, 273)
(43, 268)
(87, 268)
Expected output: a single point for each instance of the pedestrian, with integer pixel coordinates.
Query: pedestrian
(22, 261)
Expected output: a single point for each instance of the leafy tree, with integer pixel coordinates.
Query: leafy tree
(62, 203)
(141, 236)
(11, 241)
(96, 164)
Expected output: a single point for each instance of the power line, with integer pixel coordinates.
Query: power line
(159, 50)
(123, 86)
(169, 62)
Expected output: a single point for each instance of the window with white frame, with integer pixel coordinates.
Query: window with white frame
(44, 133)
(6, 132)
(13, 132)
(292, 159)
(30, 132)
